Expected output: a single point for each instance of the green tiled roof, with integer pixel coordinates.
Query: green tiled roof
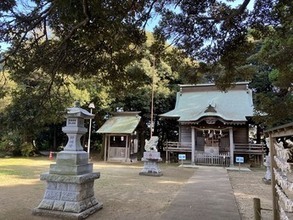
(203, 100)
(121, 123)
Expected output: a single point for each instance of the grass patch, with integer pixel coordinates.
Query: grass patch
(21, 170)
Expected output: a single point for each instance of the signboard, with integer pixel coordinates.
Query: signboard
(239, 159)
(181, 157)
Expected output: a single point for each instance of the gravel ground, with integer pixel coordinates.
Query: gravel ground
(249, 185)
(127, 195)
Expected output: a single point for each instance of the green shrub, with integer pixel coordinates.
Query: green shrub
(10, 144)
(97, 147)
(27, 149)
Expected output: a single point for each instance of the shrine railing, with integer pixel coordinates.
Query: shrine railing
(174, 146)
(281, 146)
(252, 149)
(256, 149)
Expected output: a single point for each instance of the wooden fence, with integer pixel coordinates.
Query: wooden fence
(255, 152)
(281, 146)
(215, 160)
(251, 149)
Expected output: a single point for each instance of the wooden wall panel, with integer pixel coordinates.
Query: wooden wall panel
(185, 133)
(240, 135)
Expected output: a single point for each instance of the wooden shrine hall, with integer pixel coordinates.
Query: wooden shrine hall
(213, 125)
(120, 137)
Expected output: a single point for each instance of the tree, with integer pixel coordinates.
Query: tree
(274, 98)
(23, 118)
(80, 37)
(216, 32)
(53, 43)
(101, 42)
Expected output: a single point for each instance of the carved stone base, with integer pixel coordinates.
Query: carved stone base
(70, 197)
(67, 215)
(151, 168)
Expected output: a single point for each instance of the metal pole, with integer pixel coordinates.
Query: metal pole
(90, 131)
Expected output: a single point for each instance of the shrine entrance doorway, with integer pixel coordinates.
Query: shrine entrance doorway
(211, 142)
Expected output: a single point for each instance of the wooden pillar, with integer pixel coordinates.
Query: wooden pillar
(231, 138)
(126, 149)
(192, 145)
(276, 208)
(167, 156)
(105, 146)
(257, 209)
(108, 146)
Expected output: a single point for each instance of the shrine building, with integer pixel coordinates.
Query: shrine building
(213, 124)
(120, 137)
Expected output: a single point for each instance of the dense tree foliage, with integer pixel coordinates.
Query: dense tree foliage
(274, 78)
(98, 51)
(70, 37)
(54, 43)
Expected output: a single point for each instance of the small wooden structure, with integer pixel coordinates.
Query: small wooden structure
(120, 137)
(213, 125)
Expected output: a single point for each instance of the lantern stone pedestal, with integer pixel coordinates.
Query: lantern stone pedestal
(151, 158)
(70, 182)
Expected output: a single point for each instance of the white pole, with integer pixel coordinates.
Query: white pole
(91, 106)
(152, 111)
(90, 131)
(152, 99)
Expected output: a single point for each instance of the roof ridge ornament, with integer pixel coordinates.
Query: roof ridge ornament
(211, 107)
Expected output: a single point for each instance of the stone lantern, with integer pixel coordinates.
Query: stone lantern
(70, 182)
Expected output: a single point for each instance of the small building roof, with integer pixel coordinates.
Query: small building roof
(121, 123)
(194, 102)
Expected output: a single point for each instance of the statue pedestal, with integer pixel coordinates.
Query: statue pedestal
(68, 197)
(151, 167)
(70, 188)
